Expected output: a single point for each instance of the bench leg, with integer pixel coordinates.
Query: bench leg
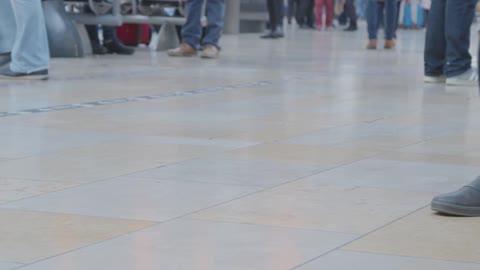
(63, 37)
(167, 37)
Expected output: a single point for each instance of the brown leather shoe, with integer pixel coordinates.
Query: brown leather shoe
(372, 44)
(389, 44)
(183, 50)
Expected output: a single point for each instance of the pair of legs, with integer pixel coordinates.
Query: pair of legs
(374, 11)
(305, 16)
(192, 30)
(319, 5)
(23, 35)
(292, 6)
(275, 15)
(448, 37)
(414, 12)
(351, 13)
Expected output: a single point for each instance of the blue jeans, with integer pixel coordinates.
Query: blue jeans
(448, 37)
(374, 12)
(361, 8)
(192, 30)
(24, 35)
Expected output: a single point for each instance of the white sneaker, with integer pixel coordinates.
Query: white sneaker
(434, 79)
(468, 78)
(210, 52)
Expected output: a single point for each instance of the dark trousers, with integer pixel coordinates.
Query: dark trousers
(448, 37)
(375, 16)
(108, 32)
(275, 13)
(305, 15)
(351, 12)
(291, 9)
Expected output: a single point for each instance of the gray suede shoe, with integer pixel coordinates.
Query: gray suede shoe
(463, 202)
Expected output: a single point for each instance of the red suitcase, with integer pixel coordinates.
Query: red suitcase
(134, 34)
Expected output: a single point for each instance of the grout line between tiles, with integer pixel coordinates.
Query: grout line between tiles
(358, 238)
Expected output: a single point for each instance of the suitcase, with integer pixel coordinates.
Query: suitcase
(134, 34)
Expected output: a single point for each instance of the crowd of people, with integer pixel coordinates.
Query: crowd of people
(24, 51)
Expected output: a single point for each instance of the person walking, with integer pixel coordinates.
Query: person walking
(192, 30)
(319, 5)
(24, 52)
(446, 56)
(275, 14)
(374, 9)
(351, 12)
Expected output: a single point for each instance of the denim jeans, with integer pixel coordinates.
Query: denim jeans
(192, 29)
(361, 8)
(374, 11)
(448, 37)
(24, 35)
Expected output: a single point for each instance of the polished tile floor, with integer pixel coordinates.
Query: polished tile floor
(305, 153)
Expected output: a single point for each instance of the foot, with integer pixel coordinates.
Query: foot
(463, 202)
(8, 74)
(116, 46)
(5, 58)
(274, 34)
(468, 78)
(351, 28)
(434, 79)
(210, 52)
(98, 48)
(319, 27)
(183, 50)
(372, 44)
(389, 44)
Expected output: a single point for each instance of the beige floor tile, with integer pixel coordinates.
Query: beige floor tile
(330, 208)
(31, 236)
(308, 154)
(8, 266)
(201, 245)
(438, 158)
(346, 260)
(427, 235)
(101, 161)
(16, 189)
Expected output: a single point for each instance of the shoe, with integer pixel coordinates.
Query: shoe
(210, 52)
(116, 46)
(389, 44)
(319, 27)
(372, 44)
(98, 48)
(5, 58)
(434, 79)
(183, 50)
(468, 78)
(7, 73)
(351, 28)
(278, 33)
(463, 202)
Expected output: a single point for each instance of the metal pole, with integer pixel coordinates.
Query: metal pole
(232, 17)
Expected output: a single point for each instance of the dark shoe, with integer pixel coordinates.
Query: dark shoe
(463, 202)
(115, 46)
(98, 48)
(7, 73)
(5, 58)
(278, 33)
(351, 28)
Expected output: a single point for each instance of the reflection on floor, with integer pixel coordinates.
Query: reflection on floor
(303, 153)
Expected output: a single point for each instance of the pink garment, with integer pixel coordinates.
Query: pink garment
(319, 4)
